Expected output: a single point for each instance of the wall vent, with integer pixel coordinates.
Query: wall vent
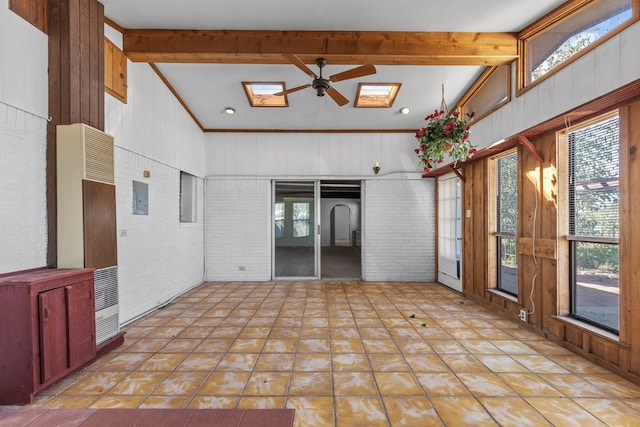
(107, 310)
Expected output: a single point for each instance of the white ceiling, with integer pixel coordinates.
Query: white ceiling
(207, 88)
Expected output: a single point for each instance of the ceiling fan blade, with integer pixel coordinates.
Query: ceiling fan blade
(294, 89)
(337, 96)
(363, 70)
(298, 63)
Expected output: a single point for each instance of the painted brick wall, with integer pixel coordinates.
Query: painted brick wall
(159, 257)
(238, 229)
(23, 204)
(399, 230)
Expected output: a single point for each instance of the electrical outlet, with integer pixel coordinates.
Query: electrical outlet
(523, 315)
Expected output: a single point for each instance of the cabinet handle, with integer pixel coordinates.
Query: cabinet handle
(46, 313)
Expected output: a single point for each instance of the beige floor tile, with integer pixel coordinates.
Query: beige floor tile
(312, 411)
(125, 362)
(480, 347)
(539, 364)
(247, 345)
(577, 364)
(426, 363)
(96, 383)
(411, 412)
(374, 333)
(463, 363)
(501, 363)
(224, 384)
(462, 411)
(139, 383)
(214, 345)
(418, 346)
(354, 384)
(447, 347)
(344, 333)
(360, 411)
(313, 345)
(241, 362)
(311, 332)
(572, 385)
(268, 384)
(529, 385)
(69, 402)
(148, 345)
(398, 384)
(163, 362)
(165, 332)
(280, 345)
(563, 412)
(312, 362)
(180, 384)
(441, 384)
(380, 346)
(434, 334)
(614, 385)
(199, 362)
(120, 402)
(311, 384)
(513, 411)
(486, 384)
(350, 362)
(613, 412)
(388, 362)
(255, 332)
(214, 402)
(165, 402)
(275, 362)
(262, 402)
(352, 345)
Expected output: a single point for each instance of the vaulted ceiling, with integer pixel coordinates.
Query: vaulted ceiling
(205, 49)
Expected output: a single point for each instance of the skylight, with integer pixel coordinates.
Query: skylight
(261, 94)
(376, 95)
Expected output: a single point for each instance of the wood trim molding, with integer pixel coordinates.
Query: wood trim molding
(338, 47)
(114, 25)
(178, 97)
(35, 12)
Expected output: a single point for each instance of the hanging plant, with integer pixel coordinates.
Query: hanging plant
(444, 134)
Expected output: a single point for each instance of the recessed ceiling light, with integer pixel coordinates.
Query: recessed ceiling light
(229, 110)
(405, 110)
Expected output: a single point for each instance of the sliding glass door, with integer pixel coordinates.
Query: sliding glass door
(295, 229)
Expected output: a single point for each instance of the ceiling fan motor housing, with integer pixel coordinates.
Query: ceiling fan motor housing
(320, 84)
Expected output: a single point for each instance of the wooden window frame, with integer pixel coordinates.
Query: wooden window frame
(554, 17)
(492, 226)
(477, 87)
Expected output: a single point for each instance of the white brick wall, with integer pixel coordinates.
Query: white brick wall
(399, 230)
(23, 204)
(159, 257)
(238, 228)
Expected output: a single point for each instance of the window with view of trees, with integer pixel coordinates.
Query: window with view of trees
(553, 43)
(507, 222)
(594, 222)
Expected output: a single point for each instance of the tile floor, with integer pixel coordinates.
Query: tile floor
(348, 354)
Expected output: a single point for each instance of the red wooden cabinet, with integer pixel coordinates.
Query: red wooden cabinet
(47, 329)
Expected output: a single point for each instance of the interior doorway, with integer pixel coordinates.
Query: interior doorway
(316, 229)
(450, 231)
(341, 229)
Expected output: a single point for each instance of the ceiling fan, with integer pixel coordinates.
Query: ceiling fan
(322, 85)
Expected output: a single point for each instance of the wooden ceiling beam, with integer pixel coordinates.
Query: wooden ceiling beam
(338, 47)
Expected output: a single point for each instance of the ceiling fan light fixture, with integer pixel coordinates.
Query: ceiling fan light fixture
(229, 110)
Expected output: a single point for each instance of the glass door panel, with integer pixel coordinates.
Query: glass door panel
(294, 232)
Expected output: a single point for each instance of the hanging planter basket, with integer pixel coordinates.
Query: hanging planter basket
(445, 134)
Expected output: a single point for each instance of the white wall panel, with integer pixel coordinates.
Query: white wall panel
(399, 230)
(24, 57)
(238, 229)
(23, 140)
(158, 256)
(309, 154)
(153, 123)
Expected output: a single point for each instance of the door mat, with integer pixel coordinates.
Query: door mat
(147, 417)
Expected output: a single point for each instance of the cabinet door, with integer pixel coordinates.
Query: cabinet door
(81, 323)
(53, 333)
